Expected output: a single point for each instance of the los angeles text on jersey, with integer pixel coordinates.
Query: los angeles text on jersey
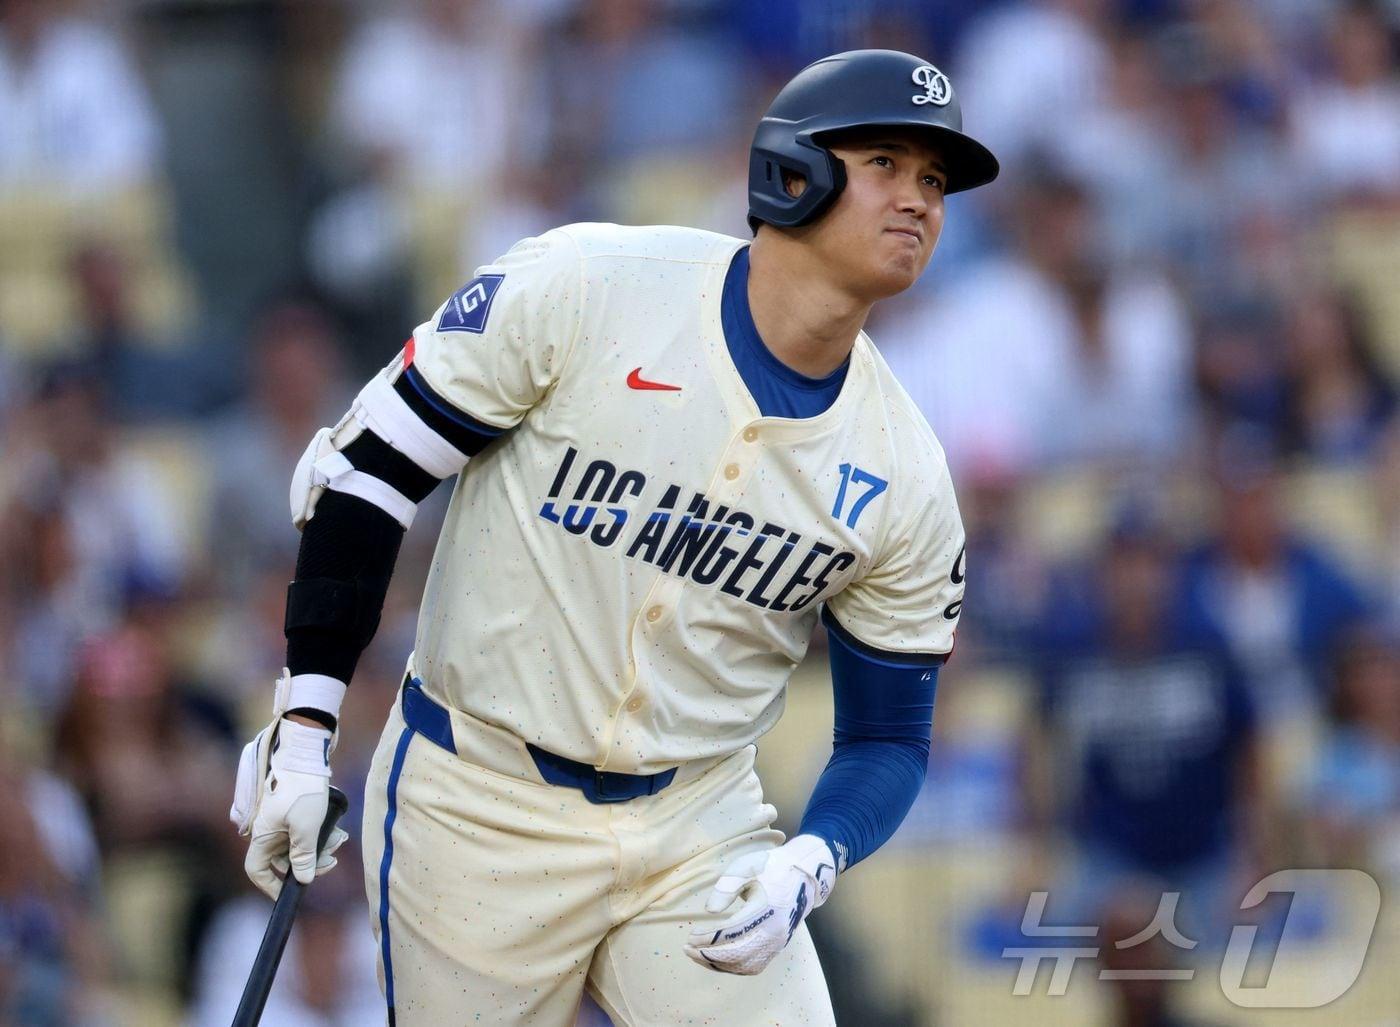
(776, 569)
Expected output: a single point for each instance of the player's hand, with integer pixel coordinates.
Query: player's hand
(280, 799)
(778, 889)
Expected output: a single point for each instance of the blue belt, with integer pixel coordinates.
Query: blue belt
(432, 721)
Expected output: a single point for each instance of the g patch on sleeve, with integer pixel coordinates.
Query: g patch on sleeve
(470, 305)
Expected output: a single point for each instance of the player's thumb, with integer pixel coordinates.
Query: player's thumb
(733, 881)
(303, 825)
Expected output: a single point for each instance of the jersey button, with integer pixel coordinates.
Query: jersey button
(634, 704)
(732, 471)
(750, 434)
(654, 614)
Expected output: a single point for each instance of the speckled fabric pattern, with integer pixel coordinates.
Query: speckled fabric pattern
(506, 898)
(628, 576)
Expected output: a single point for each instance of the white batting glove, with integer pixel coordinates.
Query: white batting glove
(280, 799)
(779, 888)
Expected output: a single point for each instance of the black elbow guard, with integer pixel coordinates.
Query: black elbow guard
(345, 608)
(347, 555)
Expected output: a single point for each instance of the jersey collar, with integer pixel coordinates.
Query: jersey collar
(744, 342)
(860, 369)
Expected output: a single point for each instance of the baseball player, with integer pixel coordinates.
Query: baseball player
(676, 451)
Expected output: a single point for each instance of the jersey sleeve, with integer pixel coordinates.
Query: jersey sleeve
(909, 601)
(496, 346)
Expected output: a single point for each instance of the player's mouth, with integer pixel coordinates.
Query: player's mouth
(913, 233)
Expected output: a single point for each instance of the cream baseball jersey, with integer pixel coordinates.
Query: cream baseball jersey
(629, 574)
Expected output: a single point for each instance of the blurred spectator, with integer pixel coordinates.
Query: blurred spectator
(1022, 60)
(1283, 607)
(1354, 797)
(1338, 397)
(1240, 379)
(9, 386)
(74, 113)
(328, 976)
(297, 388)
(1386, 490)
(149, 757)
(1048, 356)
(1149, 751)
(426, 94)
(660, 112)
(82, 523)
(1346, 127)
(1226, 174)
(1123, 150)
(1254, 65)
(646, 64)
(1137, 966)
(133, 363)
(1346, 131)
(51, 610)
(53, 966)
(245, 648)
(427, 105)
(80, 167)
(119, 514)
(972, 795)
(1012, 575)
(152, 758)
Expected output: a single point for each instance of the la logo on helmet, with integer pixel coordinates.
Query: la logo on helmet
(937, 89)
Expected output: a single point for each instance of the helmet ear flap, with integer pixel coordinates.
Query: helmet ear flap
(769, 199)
(837, 171)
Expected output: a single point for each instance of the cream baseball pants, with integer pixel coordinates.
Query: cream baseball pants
(498, 899)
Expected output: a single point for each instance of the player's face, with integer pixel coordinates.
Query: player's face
(883, 228)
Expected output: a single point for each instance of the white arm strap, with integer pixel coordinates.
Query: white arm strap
(383, 411)
(322, 466)
(336, 472)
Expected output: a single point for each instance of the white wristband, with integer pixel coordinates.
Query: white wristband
(303, 749)
(316, 692)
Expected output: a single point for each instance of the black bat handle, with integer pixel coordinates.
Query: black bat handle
(279, 926)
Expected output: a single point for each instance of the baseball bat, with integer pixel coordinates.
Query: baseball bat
(279, 927)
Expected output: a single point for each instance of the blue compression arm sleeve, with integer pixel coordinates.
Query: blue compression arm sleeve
(884, 723)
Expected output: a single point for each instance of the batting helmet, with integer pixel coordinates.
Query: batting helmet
(857, 89)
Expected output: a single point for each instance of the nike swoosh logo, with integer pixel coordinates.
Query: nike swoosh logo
(636, 381)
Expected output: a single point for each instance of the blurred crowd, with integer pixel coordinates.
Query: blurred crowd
(1162, 353)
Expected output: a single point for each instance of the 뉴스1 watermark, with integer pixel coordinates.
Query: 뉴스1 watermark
(1325, 980)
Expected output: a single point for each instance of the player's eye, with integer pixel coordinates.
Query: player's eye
(934, 181)
(882, 161)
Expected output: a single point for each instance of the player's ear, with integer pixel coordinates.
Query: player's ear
(794, 183)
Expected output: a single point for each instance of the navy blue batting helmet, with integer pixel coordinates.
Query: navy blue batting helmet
(856, 89)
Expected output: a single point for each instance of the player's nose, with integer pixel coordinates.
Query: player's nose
(910, 198)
